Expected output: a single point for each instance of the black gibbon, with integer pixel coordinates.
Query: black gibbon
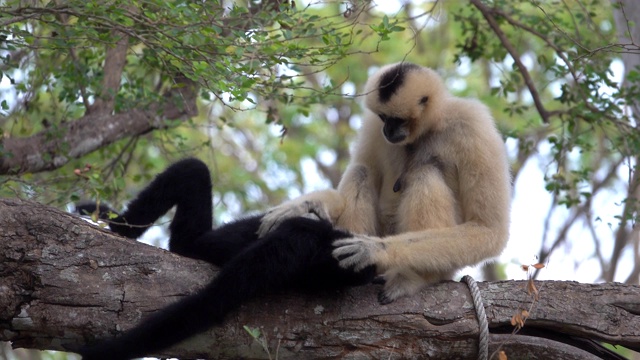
(427, 190)
(296, 256)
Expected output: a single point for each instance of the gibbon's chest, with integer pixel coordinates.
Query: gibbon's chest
(435, 152)
(431, 153)
(388, 199)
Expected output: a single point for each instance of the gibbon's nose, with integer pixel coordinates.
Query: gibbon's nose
(393, 129)
(394, 133)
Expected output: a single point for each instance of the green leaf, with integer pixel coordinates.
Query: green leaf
(253, 332)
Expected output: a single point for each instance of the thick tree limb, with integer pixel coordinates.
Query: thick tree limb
(64, 282)
(47, 150)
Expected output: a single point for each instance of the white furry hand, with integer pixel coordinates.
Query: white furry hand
(357, 252)
(275, 216)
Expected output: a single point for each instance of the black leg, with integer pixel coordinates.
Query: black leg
(296, 255)
(186, 185)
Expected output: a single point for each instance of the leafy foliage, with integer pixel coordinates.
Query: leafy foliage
(265, 58)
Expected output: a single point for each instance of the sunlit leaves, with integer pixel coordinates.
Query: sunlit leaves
(386, 27)
(569, 54)
(237, 50)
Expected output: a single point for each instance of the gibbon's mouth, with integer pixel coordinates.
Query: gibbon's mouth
(394, 128)
(394, 138)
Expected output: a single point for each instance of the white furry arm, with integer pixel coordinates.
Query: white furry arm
(431, 251)
(408, 261)
(326, 204)
(444, 250)
(352, 207)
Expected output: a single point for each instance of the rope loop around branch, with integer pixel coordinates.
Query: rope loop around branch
(483, 345)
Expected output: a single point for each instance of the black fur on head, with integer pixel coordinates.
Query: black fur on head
(392, 79)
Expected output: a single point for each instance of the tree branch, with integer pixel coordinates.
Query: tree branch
(487, 13)
(46, 150)
(114, 62)
(65, 282)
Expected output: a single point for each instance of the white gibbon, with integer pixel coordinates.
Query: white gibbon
(428, 188)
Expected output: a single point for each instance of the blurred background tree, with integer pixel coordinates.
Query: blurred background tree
(96, 97)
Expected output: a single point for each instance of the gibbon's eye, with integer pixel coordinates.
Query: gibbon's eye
(423, 100)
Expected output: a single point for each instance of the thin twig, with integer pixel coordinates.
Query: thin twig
(488, 15)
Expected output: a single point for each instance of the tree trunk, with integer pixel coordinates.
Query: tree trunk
(64, 282)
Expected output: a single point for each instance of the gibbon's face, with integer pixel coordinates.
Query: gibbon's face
(404, 96)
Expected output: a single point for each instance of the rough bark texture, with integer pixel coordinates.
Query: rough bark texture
(64, 282)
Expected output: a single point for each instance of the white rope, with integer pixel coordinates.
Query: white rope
(483, 345)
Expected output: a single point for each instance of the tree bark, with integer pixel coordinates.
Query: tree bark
(64, 282)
